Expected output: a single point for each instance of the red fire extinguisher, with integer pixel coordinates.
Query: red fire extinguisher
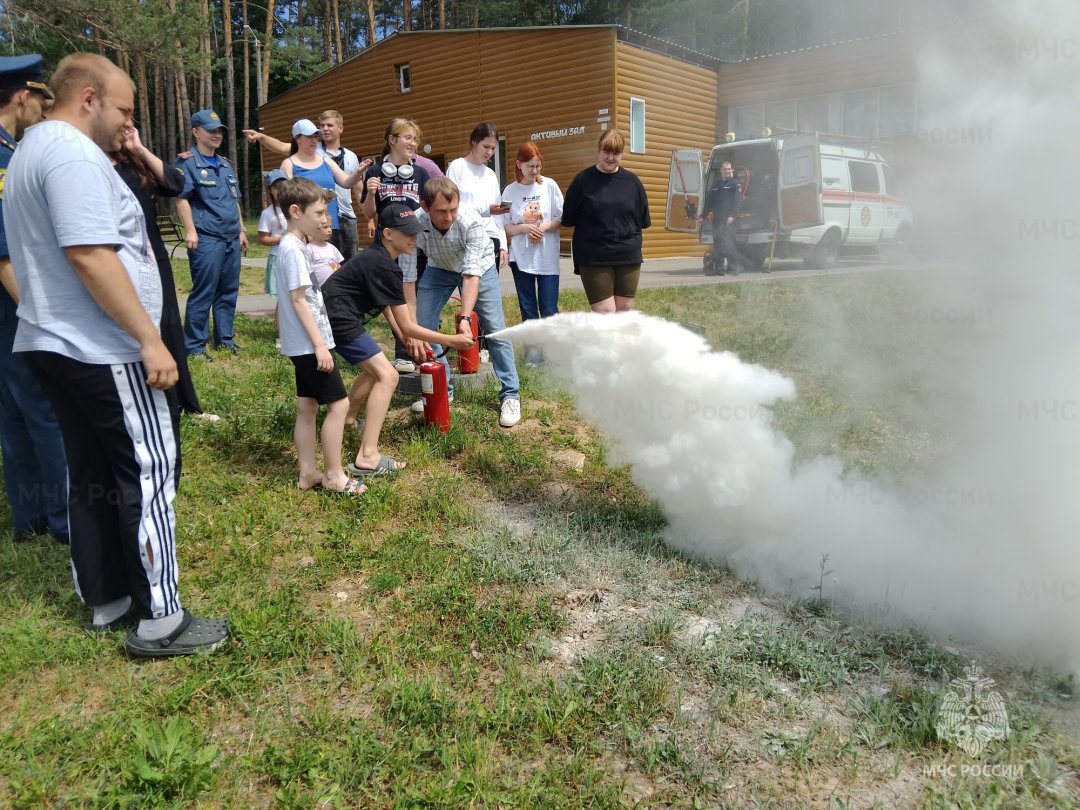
(436, 394)
(469, 359)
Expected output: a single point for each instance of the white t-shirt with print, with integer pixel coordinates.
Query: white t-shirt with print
(293, 272)
(325, 259)
(536, 202)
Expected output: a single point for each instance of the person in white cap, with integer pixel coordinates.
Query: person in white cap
(306, 161)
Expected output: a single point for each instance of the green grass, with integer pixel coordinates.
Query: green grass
(252, 279)
(468, 635)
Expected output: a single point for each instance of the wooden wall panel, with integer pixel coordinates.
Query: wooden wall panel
(680, 110)
(525, 81)
(878, 61)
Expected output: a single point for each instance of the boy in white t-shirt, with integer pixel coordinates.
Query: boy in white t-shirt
(306, 340)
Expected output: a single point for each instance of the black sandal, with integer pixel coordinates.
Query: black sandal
(194, 635)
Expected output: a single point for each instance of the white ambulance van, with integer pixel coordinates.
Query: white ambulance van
(801, 198)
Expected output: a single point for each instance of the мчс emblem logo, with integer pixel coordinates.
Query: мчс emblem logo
(971, 715)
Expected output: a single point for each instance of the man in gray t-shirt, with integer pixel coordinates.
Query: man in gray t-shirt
(88, 327)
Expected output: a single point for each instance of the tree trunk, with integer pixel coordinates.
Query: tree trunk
(160, 126)
(337, 31)
(144, 100)
(230, 80)
(245, 154)
(171, 106)
(406, 15)
(183, 107)
(371, 22)
(205, 89)
(476, 16)
(328, 35)
(442, 14)
(268, 41)
(745, 28)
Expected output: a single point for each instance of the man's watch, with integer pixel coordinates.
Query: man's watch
(461, 318)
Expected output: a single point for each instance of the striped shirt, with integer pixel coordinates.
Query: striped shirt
(466, 248)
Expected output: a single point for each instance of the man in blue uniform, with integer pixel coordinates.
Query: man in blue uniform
(35, 470)
(722, 201)
(209, 210)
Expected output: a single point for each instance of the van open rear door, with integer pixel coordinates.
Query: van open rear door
(799, 190)
(684, 191)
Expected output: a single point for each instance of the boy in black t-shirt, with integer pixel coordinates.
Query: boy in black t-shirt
(367, 284)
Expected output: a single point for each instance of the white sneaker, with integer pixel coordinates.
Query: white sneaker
(418, 406)
(510, 413)
(404, 366)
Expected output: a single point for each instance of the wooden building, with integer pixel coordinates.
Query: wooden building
(558, 86)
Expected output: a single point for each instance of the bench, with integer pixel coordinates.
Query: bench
(172, 233)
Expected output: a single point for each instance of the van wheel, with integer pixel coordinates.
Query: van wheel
(758, 259)
(825, 253)
(896, 251)
(708, 265)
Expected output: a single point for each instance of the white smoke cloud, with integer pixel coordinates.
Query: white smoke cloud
(985, 545)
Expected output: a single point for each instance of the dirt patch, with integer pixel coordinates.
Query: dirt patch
(347, 597)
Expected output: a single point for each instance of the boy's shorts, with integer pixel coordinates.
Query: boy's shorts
(323, 387)
(360, 348)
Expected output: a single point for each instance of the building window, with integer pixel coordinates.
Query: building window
(637, 126)
(404, 78)
(897, 111)
(498, 162)
(746, 122)
(860, 113)
(814, 114)
(780, 118)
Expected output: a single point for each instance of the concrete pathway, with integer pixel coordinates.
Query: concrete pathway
(677, 272)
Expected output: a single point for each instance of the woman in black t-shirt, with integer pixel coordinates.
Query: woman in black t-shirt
(607, 207)
(396, 179)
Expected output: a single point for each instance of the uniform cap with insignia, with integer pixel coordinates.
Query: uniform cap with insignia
(24, 73)
(206, 119)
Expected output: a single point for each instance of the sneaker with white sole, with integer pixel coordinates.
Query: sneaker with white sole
(510, 413)
(418, 406)
(404, 366)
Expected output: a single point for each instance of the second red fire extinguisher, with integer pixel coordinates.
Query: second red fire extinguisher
(433, 385)
(469, 359)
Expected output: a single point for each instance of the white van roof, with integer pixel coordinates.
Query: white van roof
(825, 147)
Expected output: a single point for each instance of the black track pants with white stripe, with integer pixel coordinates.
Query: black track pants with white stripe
(123, 446)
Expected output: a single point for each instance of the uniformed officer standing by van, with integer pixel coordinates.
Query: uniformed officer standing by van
(35, 469)
(722, 201)
(209, 210)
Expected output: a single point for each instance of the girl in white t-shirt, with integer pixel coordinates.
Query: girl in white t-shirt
(325, 258)
(479, 187)
(533, 227)
(272, 227)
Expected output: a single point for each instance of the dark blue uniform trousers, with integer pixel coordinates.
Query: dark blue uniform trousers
(35, 468)
(215, 283)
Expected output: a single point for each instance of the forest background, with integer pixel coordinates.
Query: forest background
(232, 55)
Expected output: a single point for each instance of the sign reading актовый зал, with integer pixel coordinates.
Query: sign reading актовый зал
(550, 134)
